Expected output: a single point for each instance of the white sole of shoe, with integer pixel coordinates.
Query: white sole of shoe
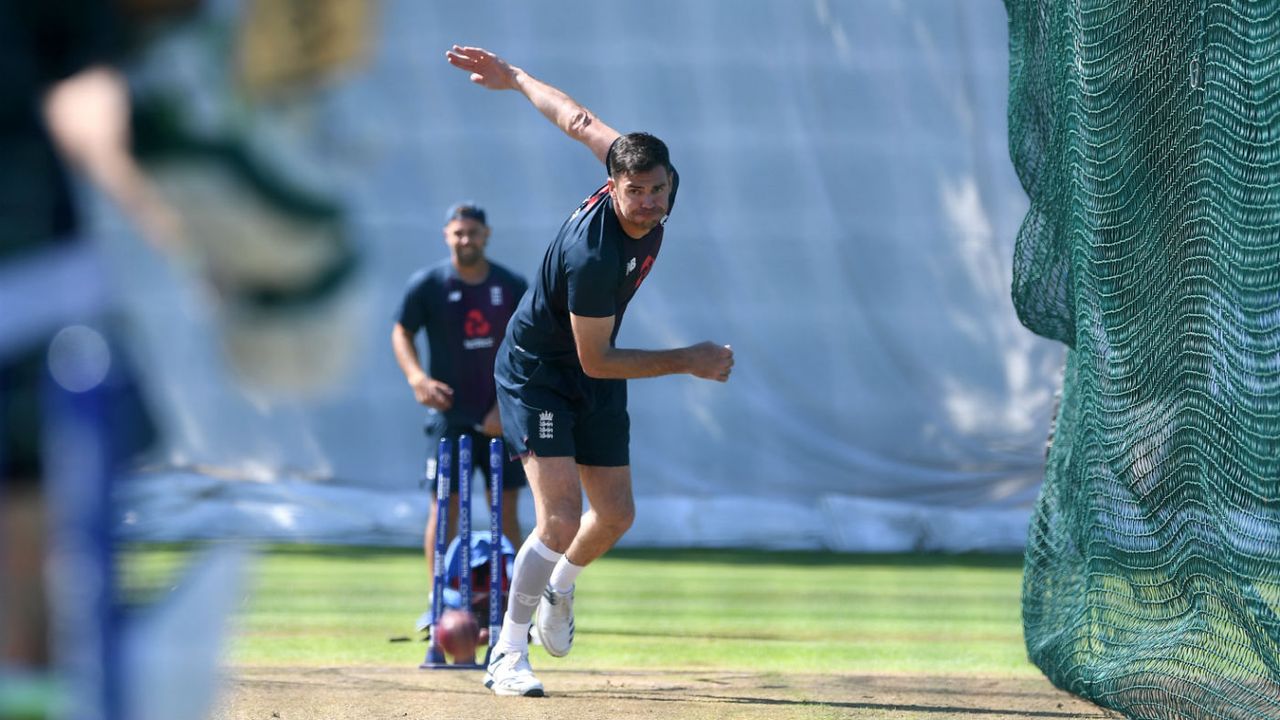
(506, 692)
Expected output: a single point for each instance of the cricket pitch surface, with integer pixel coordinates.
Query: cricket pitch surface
(372, 693)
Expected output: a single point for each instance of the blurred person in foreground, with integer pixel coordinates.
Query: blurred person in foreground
(562, 386)
(274, 252)
(463, 304)
(61, 103)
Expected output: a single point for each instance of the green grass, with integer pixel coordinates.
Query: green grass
(691, 609)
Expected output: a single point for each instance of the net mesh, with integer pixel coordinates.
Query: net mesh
(1147, 134)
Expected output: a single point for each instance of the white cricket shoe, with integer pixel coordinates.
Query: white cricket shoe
(555, 621)
(509, 674)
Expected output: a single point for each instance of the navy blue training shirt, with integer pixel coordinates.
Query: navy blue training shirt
(592, 269)
(465, 324)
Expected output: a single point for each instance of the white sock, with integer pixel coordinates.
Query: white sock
(529, 576)
(565, 575)
(514, 637)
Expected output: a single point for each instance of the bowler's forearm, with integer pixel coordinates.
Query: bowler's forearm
(619, 363)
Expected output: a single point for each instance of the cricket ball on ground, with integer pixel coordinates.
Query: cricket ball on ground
(458, 635)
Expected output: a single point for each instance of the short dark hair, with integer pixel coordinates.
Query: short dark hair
(636, 153)
(465, 210)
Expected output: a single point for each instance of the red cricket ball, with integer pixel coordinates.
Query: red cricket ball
(458, 634)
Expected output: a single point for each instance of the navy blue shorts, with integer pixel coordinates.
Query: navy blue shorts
(513, 476)
(24, 382)
(554, 410)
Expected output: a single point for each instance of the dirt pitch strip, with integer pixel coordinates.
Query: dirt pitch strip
(371, 693)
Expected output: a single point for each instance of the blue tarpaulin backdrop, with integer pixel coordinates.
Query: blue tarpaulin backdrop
(846, 220)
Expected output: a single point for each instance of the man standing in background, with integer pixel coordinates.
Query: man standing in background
(464, 304)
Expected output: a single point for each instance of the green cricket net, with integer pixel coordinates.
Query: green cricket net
(1147, 134)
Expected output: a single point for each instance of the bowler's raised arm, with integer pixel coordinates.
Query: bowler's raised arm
(490, 71)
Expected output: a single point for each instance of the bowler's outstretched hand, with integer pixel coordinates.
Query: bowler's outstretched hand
(487, 70)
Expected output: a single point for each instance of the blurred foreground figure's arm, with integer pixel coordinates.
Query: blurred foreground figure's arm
(490, 71)
(88, 117)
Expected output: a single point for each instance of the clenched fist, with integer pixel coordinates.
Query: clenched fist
(710, 361)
